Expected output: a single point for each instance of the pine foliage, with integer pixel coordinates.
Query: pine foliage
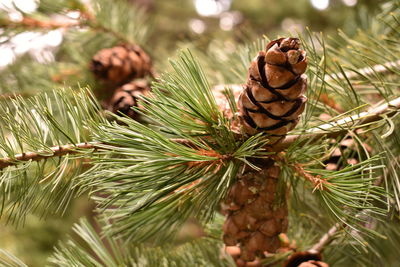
(148, 178)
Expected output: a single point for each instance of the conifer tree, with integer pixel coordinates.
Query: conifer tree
(282, 152)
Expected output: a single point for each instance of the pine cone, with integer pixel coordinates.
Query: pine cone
(273, 99)
(314, 264)
(253, 219)
(126, 97)
(120, 64)
(305, 259)
(346, 153)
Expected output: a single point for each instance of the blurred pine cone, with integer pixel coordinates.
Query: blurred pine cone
(120, 64)
(273, 99)
(346, 153)
(305, 259)
(126, 97)
(313, 264)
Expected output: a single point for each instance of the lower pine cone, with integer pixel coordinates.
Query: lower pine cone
(254, 218)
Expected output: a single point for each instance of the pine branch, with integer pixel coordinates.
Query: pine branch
(41, 124)
(315, 133)
(329, 236)
(366, 117)
(108, 18)
(57, 151)
(33, 23)
(62, 150)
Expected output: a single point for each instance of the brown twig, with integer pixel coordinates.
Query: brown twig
(64, 74)
(49, 24)
(57, 151)
(325, 240)
(317, 181)
(32, 23)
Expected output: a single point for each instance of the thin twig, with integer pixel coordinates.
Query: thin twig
(56, 151)
(379, 68)
(29, 22)
(86, 19)
(317, 181)
(372, 115)
(325, 240)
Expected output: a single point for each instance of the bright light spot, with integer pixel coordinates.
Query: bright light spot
(53, 38)
(23, 42)
(350, 2)
(226, 23)
(15, 16)
(229, 19)
(209, 8)
(27, 6)
(73, 14)
(6, 55)
(197, 25)
(320, 4)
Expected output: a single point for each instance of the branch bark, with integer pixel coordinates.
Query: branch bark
(372, 115)
(57, 151)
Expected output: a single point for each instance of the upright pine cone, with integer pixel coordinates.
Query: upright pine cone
(126, 97)
(273, 99)
(120, 64)
(254, 219)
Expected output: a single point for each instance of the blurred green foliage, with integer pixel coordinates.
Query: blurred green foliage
(258, 17)
(34, 241)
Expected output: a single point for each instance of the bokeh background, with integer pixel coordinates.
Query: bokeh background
(175, 24)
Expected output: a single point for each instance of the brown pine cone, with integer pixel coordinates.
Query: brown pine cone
(126, 97)
(346, 153)
(120, 64)
(273, 99)
(253, 219)
(314, 264)
(305, 259)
